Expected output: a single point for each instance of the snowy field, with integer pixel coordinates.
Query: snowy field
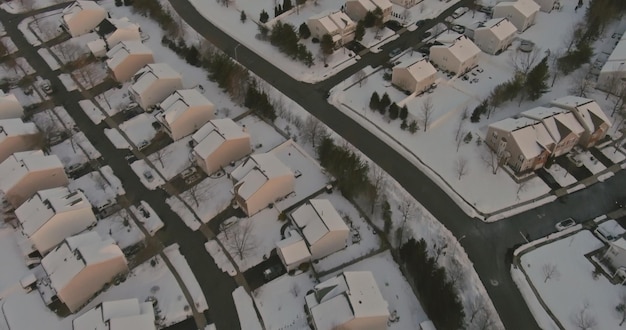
(152, 222)
(220, 258)
(121, 228)
(100, 187)
(562, 177)
(263, 137)
(597, 298)
(245, 310)
(75, 150)
(172, 159)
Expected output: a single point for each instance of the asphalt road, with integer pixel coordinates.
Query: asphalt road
(216, 285)
(486, 244)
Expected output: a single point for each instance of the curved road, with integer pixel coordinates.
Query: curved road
(486, 244)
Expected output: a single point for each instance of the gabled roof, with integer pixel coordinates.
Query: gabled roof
(8, 99)
(558, 122)
(617, 60)
(18, 165)
(255, 171)
(588, 111)
(462, 48)
(333, 21)
(316, 218)
(382, 4)
(293, 248)
(529, 135)
(122, 50)
(78, 6)
(149, 74)
(180, 101)
(16, 127)
(40, 208)
(420, 69)
(502, 28)
(524, 7)
(117, 315)
(215, 133)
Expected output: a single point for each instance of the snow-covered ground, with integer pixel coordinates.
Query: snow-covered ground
(75, 150)
(172, 159)
(263, 137)
(92, 111)
(561, 176)
(182, 268)
(245, 310)
(570, 288)
(100, 187)
(152, 222)
(121, 228)
(220, 258)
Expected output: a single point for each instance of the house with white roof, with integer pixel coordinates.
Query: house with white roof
(82, 16)
(589, 114)
(153, 83)
(126, 58)
(458, 57)
(350, 300)
(219, 142)
(10, 107)
(51, 216)
(357, 9)
(414, 77)
(78, 268)
(293, 250)
(112, 31)
(562, 125)
(495, 35)
(336, 24)
(25, 173)
(617, 252)
(184, 112)
(521, 13)
(117, 315)
(614, 69)
(16, 136)
(522, 143)
(261, 180)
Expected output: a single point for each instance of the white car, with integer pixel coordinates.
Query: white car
(142, 145)
(567, 223)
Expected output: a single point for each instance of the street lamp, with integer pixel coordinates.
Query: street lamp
(236, 59)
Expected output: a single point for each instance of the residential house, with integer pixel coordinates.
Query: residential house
(495, 35)
(546, 5)
(350, 300)
(293, 250)
(613, 71)
(522, 143)
(184, 112)
(617, 252)
(10, 107)
(406, 3)
(261, 180)
(16, 136)
(78, 268)
(126, 58)
(589, 115)
(112, 31)
(154, 83)
(51, 216)
(562, 126)
(357, 9)
(117, 315)
(414, 77)
(218, 143)
(336, 24)
(25, 173)
(521, 13)
(458, 57)
(82, 17)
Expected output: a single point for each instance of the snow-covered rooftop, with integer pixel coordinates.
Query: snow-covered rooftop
(151, 73)
(617, 60)
(214, 133)
(462, 48)
(9, 101)
(530, 135)
(293, 248)
(255, 171)
(524, 7)
(589, 112)
(316, 218)
(76, 253)
(620, 243)
(367, 4)
(40, 208)
(121, 51)
(14, 168)
(420, 69)
(333, 21)
(180, 101)
(117, 315)
(502, 28)
(15, 127)
(78, 6)
(555, 120)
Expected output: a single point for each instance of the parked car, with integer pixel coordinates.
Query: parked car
(395, 52)
(460, 12)
(458, 28)
(188, 172)
(75, 167)
(148, 175)
(485, 9)
(46, 87)
(605, 235)
(131, 106)
(143, 145)
(131, 158)
(567, 223)
(272, 272)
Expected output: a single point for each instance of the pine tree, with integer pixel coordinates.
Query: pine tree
(374, 101)
(413, 127)
(287, 5)
(404, 112)
(384, 103)
(536, 81)
(327, 44)
(243, 16)
(360, 31)
(394, 109)
(304, 31)
(263, 17)
(403, 125)
(192, 56)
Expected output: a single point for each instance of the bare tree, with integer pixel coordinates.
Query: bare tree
(377, 180)
(493, 160)
(87, 74)
(427, 112)
(241, 240)
(195, 194)
(439, 245)
(313, 130)
(162, 153)
(549, 271)
(573, 36)
(405, 15)
(583, 319)
(521, 187)
(295, 289)
(484, 320)
(582, 83)
(522, 62)
(68, 51)
(621, 308)
(456, 273)
(612, 85)
(619, 101)
(407, 210)
(360, 77)
(461, 167)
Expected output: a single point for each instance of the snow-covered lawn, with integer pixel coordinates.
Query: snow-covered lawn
(54, 120)
(121, 228)
(589, 161)
(561, 175)
(92, 112)
(616, 155)
(182, 268)
(152, 223)
(394, 288)
(24, 99)
(207, 198)
(19, 311)
(245, 310)
(220, 258)
(571, 286)
(139, 128)
(99, 189)
(369, 240)
(90, 75)
(263, 137)
(281, 301)
(75, 150)
(13, 265)
(172, 159)
(74, 48)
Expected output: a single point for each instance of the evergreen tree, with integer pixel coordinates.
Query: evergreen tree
(384, 103)
(394, 110)
(287, 5)
(479, 110)
(263, 17)
(536, 80)
(369, 19)
(360, 31)
(327, 44)
(374, 101)
(413, 127)
(404, 112)
(192, 56)
(243, 16)
(304, 31)
(403, 125)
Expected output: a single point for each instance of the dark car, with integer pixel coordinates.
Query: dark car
(567, 223)
(393, 25)
(395, 52)
(272, 272)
